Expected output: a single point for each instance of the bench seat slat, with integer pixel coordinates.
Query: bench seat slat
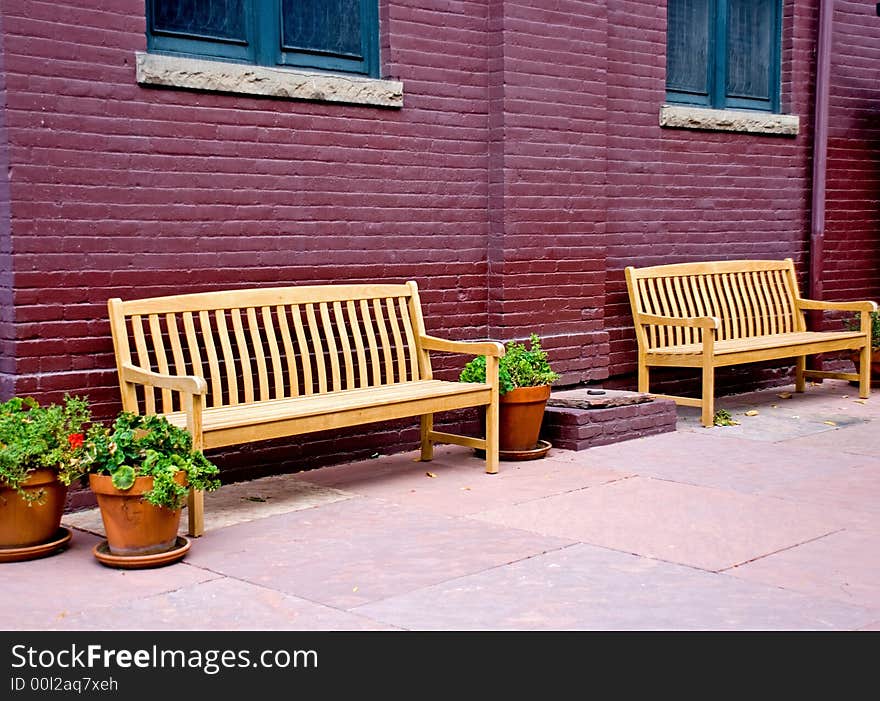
(258, 413)
(754, 343)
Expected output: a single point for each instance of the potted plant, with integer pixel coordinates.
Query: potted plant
(40, 455)
(140, 470)
(524, 379)
(854, 324)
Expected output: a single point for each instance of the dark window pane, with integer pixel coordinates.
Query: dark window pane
(750, 38)
(322, 26)
(687, 46)
(216, 19)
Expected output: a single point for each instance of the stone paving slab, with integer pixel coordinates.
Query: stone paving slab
(860, 439)
(454, 484)
(703, 527)
(584, 587)
(48, 590)
(220, 604)
(843, 566)
(238, 502)
(350, 552)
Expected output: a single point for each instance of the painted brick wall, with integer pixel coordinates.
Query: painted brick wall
(852, 228)
(547, 87)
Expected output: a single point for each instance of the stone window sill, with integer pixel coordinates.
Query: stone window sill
(286, 83)
(685, 117)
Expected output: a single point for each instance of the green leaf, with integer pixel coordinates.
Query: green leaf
(123, 477)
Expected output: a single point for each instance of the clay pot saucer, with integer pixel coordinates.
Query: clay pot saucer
(539, 451)
(59, 540)
(102, 552)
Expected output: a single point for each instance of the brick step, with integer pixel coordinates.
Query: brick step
(576, 420)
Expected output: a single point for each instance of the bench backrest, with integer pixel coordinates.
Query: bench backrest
(750, 297)
(273, 343)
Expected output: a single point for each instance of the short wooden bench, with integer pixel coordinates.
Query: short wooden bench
(709, 315)
(247, 365)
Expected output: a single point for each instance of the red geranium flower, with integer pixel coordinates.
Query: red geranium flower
(75, 440)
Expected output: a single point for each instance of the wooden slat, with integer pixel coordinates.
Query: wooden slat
(287, 341)
(244, 357)
(410, 338)
(228, 358)
(339, 317)
(274, 352)
(259, 354)
(666, 335)
(749, 303)
(161, 360)
(329, 336)
(732, 311)
(213, 361)
(371, 343)
(647, 307)
(317, 347)
(192, 345)
(304, 353)
(686, 305)
(176, 347)
(261, 297)
(762, 327)
(716, 304)
(140, 344)
(785, 302)
(363, 377)
(398, 340)
(772, 303)
(379, 318)
(707, 268)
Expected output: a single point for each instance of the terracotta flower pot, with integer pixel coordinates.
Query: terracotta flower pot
(520, 415)
(23, 524)
(135, 527)
(875, 364)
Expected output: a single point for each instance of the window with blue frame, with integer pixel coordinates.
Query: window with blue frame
(724, 54)
(332, 35)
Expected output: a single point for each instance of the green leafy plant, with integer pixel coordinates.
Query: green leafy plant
(854, 323)
(519, 367)
(723, 418)
(150, 446)
(35, 437)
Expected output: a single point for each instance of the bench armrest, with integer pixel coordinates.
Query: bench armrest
(861, 306)
(189, 384)
(490, 348)
(696, 322)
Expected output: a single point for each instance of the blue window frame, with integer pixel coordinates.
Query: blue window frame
(332, 35)
(724, 53)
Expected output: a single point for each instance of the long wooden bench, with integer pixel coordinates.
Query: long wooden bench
(709, 315)
(247, 365)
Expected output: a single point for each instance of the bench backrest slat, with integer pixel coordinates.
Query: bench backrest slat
(273, 343)
(751, 298)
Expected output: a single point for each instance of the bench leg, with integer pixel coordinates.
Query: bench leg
(196, 512)
(427, 425)
(644, 377)
(865, 372)
(707, 401)
(492, 444)
(800, 365)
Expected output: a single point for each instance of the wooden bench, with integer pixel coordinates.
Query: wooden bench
(249, 365)
(709, 315)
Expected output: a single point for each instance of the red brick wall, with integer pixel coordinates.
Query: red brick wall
(547, 87)
(852, 231)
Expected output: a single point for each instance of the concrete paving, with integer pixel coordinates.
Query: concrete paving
(772, 524)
